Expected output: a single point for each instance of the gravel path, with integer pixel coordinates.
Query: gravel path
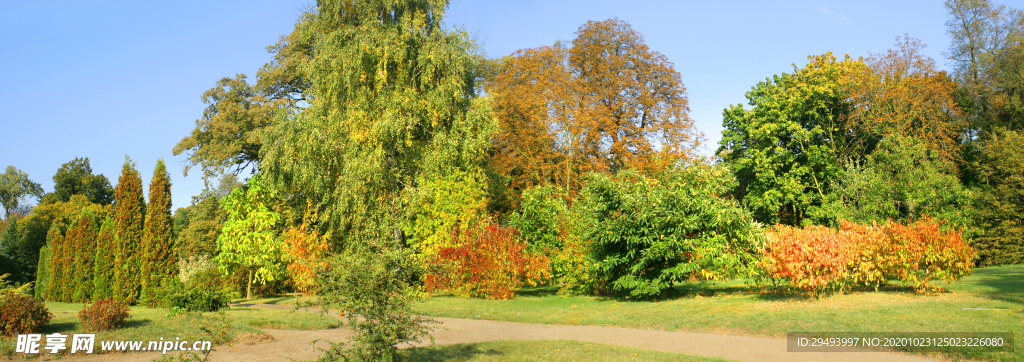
(290, 345)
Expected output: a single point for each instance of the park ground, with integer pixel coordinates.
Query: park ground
(701, 322)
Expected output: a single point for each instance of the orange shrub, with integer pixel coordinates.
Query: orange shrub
(305, 251)
(818, 258)
(488, 262)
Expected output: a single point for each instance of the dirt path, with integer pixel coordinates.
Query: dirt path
(290, 345)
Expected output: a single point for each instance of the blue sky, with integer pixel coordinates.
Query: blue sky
(105, 79)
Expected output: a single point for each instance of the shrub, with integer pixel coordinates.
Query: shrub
(21, 314)
(488, 262)
(198, 300)
(651, 233)
(820, 259)
(104, 315)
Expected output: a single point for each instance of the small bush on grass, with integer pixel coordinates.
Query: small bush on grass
(104, 315)
(820, 259)
(21, 314)
(198, 300)
(488, 262)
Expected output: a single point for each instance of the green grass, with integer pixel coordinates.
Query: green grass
(152, 323)
(543, 351)
(739, 309)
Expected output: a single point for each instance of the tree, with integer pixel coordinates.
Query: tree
(787, 150)
(248, 240)
(76, 178)
(83, 244)
(605, 104)
(128, 216)
(900, 181)
(391, 99)
(228, 134)
(979, 32)
(905, 95)
(158, 257)
(1001, 214)
(14, 185)
(58, 289)
(103, 266)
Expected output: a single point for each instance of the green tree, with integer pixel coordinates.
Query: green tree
(103, 266)
(14, 185)
(201, 222)
(900, 181)
(43, 274)
(84, 253)
(59, 266)
(76, 178)
(128, 214)
(1001, 214)
(248, 241)
(158, 257)
(788, 148)
(391, 99)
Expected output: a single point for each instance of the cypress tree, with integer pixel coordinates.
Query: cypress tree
(57, 265)
(129, 211)
(158, 257)
(103, 267)
(43, 273)
(83, 249)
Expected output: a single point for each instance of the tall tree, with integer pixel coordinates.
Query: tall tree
(14, 185)
(128, 215)
(84, 254)
(59, 265)
(980, 31)
(103, 266)
(159, 259)
(391, 98)
(228, 134)
(605, 104)
(788, 148)
(76, 178)
(248, 241)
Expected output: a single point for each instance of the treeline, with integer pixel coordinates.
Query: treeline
(574, 164)
(90, 247)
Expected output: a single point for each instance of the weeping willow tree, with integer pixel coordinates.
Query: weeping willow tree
(391, 99)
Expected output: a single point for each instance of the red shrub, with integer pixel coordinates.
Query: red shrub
(817, 258)
(488, 262)
(104, 315)
(21, 314)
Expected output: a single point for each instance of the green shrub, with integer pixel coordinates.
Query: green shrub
(104, 315)
(21, 314)
(198, 300)
(652, 233)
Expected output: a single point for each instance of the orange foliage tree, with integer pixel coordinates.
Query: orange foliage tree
(305, 250)
(605, 103)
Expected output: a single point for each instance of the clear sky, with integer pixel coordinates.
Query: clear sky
(106, 79)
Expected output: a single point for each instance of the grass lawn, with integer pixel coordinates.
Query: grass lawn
(147, 324)
(543, 351)
(739, 309)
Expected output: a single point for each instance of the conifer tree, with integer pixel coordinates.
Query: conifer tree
(129, 211)
(83, 251)
(43, 273)
(103, 268)
(58, 267)
(158, 257)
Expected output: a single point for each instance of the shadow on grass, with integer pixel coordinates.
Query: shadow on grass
(65, 327)
(136, 323)
(1005, 283)
(457, 352)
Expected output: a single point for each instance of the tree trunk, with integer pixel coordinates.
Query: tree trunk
(248, 287)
